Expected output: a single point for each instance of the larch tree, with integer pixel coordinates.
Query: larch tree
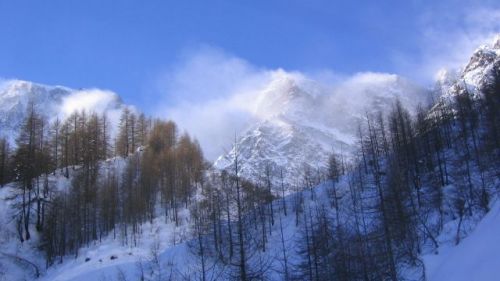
(4, 161)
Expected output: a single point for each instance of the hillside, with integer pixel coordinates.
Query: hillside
(408, 194)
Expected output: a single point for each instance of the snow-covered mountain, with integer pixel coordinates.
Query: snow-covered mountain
(50, 101)
(302, 122)
(475, 75)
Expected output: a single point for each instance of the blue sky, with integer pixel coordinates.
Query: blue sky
(130, 46)
(203, 63)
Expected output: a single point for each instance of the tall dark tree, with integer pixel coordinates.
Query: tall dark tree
(4, 160)
(29, 159)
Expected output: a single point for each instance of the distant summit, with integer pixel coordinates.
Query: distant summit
(473, 76)
(301, 123)
(50, 101)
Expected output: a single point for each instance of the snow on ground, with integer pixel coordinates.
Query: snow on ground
(476, 258)
(95, 262)
(11, 268)
(107, 259)
(169, 241)
(18, 260)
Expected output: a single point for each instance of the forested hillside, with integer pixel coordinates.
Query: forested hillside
(416, 184)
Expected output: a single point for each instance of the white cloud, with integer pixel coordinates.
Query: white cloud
(89, 100)
(217, 95)
(448, 36)
(356, 93)
(93, 100)
(210, 94)
(213, 95)
(208, 73)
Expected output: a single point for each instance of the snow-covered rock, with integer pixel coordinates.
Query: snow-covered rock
(475, 75)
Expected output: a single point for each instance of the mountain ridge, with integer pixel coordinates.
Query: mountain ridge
(51, 102)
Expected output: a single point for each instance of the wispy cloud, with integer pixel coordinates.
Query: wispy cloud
(448, 36)
(214, 95)
(209, 93)
(208, 72)
(217, 95)
(93, 100)
(89, 100)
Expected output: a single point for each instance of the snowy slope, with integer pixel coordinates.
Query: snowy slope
(474, 259)
(18, 260)
(16, 257)
(169, 241)
(50, 101)
(301, 122)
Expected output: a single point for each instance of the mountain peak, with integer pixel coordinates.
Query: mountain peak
(474, 75)
(50, 101)
(496, 42)
(302, 121)
(286, 94)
